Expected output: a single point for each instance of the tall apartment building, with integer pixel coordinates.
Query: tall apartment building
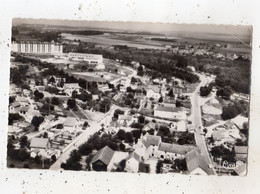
(37, 47)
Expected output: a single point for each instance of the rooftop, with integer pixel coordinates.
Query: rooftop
(105, 155)
(70, 122)
(175, 148)
(155, 88)
(194, 160)
(241, 149)
(39, 143)
(165, 109)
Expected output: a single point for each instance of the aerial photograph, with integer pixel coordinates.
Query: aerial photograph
(129, 97)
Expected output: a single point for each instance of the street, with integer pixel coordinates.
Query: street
(199, 137)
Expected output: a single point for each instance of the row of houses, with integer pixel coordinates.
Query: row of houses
(150, 146)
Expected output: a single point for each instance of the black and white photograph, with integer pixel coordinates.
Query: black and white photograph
(129, 97)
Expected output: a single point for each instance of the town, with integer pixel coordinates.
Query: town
(76, 105)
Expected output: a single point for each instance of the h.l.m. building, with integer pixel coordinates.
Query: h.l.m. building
(37, 47)
(91, 59)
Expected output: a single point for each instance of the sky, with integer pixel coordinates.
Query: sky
(165, 28)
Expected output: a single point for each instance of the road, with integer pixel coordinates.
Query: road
(82, 138)
(199, 137)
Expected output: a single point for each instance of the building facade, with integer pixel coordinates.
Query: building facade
(37, 47)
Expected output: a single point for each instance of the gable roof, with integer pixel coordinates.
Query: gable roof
(71, 85)
(50, 117)
(105, 155)
(39, 142)
(154, 88)
(135, 156)
(153, 140)
(70, 122)
(229, 124)
(16, 104)
(240, 149)
(241, 170)
(194, 160)
(219, 135)
(24, 108)
(175, 148)
(165, 109)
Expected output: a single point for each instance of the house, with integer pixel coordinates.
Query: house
(173, 151)
(241, 169)
(153, 92)
(132, 162)
(241, 152)
(177, 90)
(23, 101)
(70, 87)
(150, 125)
(148, 145)
(14, 107)
(239, 121)
(144, 168)
(70, 124)
(49, 118)
(102, 158)
(181, 126)
(125, 119)
(196, 163)
(24, 110)
(39, 143)
(169, 112)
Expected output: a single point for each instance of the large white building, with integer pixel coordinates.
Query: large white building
(91, 59)
(37, 47)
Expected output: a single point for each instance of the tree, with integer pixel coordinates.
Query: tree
(23, 154)
(71, 103)
(159, 166)
(105, 105)
(140, 70)
(164, 130)
(141, 119)
(205, 91)
(38, 95)
(121, 134)
(45, 135)
(225, 92)
(117, 112)
(24, 141)
(55, 101)
(182, 62)
(129, 137)
(36, 121)
(53, 158)
(180, 164)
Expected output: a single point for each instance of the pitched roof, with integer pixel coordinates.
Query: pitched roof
(153, 140)
(105, 155)
(50, 117)
(70, 122)
(39, 142)
(229, 124)
(154, 88)
(194, 160)
(24, 108)
(165, 109)
(218, 135)
(240, 149)
(23, 99)
(175, 148)
(71, 85)
(135, 156)
(241, 170)
(145, 143)
(16, 104)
